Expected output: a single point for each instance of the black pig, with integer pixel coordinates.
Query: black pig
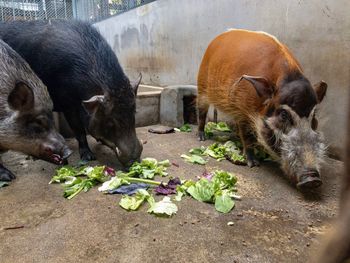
(80, 69)
(26, 121)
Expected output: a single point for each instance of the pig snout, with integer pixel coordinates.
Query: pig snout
(309, 178)
(302, 153)
(55, 152)
(127, 154)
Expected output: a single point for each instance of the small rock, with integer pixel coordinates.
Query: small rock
(230, 223)
(308, 244)
(154, 240)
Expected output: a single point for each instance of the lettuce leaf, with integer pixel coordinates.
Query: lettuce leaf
(134, 202)
(184, 128)
(164, 207)
(194, 159)
(224, 203)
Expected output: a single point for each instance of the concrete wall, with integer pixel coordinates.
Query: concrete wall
(165, 40)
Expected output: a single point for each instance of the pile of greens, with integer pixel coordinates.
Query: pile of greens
(229, 150)
(148, 168)
(184, 128)
(211, 127)
(218, 187)
(162, 208)
(76, 180)
(194, 158)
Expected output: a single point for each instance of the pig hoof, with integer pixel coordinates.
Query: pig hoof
(6, 175)
(252, 163)
(251, 160)
(87, 156)
(201, 136)
(309, 182)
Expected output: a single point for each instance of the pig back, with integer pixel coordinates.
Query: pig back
(14, 69)
(236, 53)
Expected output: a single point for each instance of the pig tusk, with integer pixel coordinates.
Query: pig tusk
(118, 152)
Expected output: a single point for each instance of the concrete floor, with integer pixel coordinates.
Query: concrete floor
(273, 223)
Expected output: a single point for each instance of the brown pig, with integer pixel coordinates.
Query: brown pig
(254, 78)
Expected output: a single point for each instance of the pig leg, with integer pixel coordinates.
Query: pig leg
(248, 141)
(5, 174)
(74, 120)
(202, 116)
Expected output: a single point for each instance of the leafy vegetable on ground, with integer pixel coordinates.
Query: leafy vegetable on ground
(169, 188)
(193, 158)
(210, 127)
(129, 189)
(220, 190)
(164, 207)
(134, 202)
(184, 128)
(148, 168)
(71, 178)
(229, 150)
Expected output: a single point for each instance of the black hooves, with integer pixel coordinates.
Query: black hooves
(87, 156)
(252, 160)
(6, 175)
(201, 136)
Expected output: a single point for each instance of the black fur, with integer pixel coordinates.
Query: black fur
(76, 63)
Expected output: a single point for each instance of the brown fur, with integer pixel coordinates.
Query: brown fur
(236, 53)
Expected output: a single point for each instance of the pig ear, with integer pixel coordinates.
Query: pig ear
(320, 89)
(92, 104)
(261, 85)
(21, 97)
(135, 84)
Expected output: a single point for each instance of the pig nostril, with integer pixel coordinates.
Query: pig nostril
(48, 150)
(311, 172)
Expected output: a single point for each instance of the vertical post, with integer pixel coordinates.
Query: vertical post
(2, 14)
(74, 8)
(13, 10)
(24, 9)
(55, 8)
(65, 9)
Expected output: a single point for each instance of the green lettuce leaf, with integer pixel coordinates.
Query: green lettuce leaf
(112, 184)
(194, 159)
(163, 208)
(202, 191)
(148, 168)
(224, 203)
(134, 202)
(184, 128)
(62, 174)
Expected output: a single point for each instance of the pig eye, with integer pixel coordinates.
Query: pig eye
(37, 128)
(314, 123)
(285, 116)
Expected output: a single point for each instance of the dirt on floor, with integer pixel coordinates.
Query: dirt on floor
(273, 222)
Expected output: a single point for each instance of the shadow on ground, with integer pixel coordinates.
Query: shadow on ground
(273, 222)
